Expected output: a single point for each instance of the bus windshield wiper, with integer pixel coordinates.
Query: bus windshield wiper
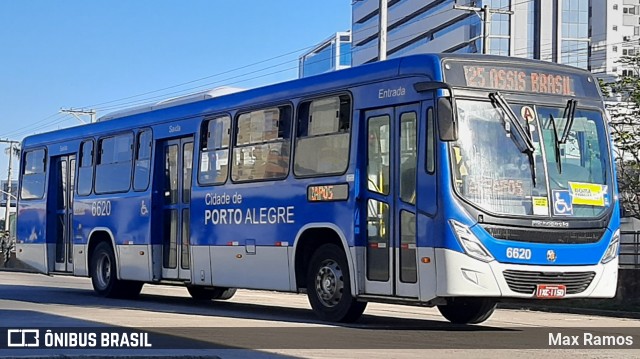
(569, 114)
(524, 140)
(556, 143)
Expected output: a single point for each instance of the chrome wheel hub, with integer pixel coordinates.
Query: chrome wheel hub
(329, 283)
(103, 271)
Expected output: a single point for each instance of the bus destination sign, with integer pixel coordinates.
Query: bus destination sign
(502, 78)
(547, 80)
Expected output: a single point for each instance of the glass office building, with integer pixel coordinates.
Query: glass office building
(584, 33)
(332, 54)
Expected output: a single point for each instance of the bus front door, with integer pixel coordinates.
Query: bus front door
(175, 184)
(390, 200)
(60, 212)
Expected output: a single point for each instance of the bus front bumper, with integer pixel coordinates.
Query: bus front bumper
(459, 275)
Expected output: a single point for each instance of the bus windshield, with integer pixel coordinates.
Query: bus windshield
(557, 179)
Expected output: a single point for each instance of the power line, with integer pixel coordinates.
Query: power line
(230, 71)
(271, 73)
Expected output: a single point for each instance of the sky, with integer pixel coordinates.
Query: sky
(106, 55)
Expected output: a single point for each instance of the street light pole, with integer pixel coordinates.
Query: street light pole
(382, 39)
(8, 204)
(77, 113)
(7, 210)
(486, 12)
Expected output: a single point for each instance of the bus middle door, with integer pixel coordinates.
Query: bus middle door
(174, 186)
(391, 253)
(60, 211)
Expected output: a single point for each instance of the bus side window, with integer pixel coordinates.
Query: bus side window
(431, 142)
(408, 157)
(322, 141)
(143, 161)
(113, 168)
(85, 170)
(33, 174)
(378, 172)
(262, 145)
(214, 150)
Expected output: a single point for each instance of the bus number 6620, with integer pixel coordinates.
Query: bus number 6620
(101, 208)
(519, 253)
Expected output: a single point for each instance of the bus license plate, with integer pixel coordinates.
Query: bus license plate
(551, 291)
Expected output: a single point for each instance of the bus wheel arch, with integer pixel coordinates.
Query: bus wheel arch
(308, 241)
(97, 236)
(103, 269)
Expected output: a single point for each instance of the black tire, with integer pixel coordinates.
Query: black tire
(468, 310)
(104, 275)
(209, 293)
(329, 286)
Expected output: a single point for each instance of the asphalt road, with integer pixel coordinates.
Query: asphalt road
(268, 324)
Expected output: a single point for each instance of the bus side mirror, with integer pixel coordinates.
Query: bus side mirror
(447, 124)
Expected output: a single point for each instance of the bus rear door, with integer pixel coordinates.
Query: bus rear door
(172, 186)
(390, 198)
(60, 212)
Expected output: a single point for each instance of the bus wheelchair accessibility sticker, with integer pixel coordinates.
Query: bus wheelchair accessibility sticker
(562, 205)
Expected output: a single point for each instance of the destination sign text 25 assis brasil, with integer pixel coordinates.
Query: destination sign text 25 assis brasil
(508, 79)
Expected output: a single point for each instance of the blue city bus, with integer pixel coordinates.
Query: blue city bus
(436, 180)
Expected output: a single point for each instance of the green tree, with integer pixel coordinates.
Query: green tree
(624, 112)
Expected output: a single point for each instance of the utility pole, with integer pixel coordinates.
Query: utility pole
(9, 195)
(486, 21)
(77, 113)
(382, 38)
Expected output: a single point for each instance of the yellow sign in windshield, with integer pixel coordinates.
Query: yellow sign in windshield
(590, 194)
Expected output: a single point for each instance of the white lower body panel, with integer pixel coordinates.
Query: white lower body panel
(80, 260)
(267, 268)
(34, 255)
(462, 276)
(135, 262)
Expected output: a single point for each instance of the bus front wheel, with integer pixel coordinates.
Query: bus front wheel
(329, 287)
(209, 293)
(104, 277)
(467, 310)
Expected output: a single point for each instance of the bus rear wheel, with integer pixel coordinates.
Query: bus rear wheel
(104, 276)
(209, 293)
(329, 287)
(467, 310)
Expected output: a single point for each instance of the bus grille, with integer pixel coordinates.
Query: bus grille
(539, 235)
(525, 282)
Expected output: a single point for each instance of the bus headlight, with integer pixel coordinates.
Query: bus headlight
(471, 244)
(612, 250)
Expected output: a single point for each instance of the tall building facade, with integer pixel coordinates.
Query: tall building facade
(332, 54)
(590, 34)
(615, 32)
